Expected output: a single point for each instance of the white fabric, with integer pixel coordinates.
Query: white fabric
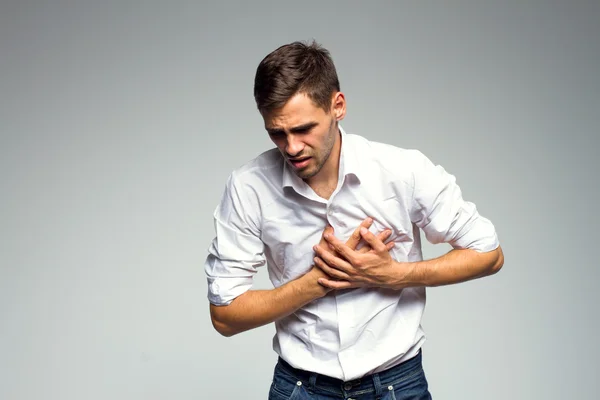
(269, 216)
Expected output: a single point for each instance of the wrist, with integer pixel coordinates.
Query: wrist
(309, 284)
(400, 278)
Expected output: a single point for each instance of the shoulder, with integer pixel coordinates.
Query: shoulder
(254, 185)
(266, 167)
(399, 162)
(247, 188)
(390, 155)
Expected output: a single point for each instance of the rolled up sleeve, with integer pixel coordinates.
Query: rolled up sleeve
(439, 209)
(236, 251)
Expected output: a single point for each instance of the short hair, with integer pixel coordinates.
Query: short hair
(295, 68)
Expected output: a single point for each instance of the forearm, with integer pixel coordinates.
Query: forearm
(255, 308)
(458, 265)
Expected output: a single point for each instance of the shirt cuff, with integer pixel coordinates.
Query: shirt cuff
(222, 291)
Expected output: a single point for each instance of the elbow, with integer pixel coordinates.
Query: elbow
(219, 321)
(498, 261)
(223, 329)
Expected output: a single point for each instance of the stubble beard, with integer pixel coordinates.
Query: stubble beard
(321, 157)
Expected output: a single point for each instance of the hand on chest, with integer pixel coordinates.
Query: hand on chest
(291, 229)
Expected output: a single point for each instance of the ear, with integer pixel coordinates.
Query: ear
(338, 105)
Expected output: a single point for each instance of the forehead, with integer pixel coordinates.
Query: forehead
(298, 110)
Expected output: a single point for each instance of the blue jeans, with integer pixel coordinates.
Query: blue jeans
(402, 382)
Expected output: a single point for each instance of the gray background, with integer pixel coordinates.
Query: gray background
(121, 120)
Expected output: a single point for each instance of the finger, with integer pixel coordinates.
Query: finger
(341, 249)
(383, 236)
(332, 260)
(332, 272)
(327, 231)
(355, 238)
(372, 240)
(331, 284)
(389, 246)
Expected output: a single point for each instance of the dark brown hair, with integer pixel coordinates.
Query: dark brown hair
(294, 68)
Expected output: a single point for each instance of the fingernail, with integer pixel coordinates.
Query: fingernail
(363, 230)
(369, 220)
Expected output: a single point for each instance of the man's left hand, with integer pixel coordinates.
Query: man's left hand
(353, 268)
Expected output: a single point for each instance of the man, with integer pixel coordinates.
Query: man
(347, 315)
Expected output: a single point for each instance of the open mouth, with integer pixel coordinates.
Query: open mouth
(300, 163)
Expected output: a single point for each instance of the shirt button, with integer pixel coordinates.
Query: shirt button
(299, 383)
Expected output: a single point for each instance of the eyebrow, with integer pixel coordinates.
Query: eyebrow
(295, 129)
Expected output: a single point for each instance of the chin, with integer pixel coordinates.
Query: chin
(304, 175)
(307, 174)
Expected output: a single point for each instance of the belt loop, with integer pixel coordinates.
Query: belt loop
(312, 381)
(377, 384)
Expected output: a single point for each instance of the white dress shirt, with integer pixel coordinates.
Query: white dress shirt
(269, 216)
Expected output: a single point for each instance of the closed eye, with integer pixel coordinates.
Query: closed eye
(275, 133)
(305, 128)
(300, 129)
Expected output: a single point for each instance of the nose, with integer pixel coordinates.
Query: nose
(294, 146)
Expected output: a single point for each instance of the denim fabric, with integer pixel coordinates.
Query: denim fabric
(402, 382)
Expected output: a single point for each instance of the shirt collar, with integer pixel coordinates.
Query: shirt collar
(349, 160)
(349, 165)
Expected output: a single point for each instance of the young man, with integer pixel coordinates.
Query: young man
(347, 315)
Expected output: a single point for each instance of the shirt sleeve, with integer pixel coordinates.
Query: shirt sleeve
(440, 211)
(237, 250)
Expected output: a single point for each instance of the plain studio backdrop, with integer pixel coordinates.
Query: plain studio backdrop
(120, 122)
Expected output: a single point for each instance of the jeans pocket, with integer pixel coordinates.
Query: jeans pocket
(413, 387)
(277, 392)
(284, 387)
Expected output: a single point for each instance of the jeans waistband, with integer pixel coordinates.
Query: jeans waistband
(376, 382)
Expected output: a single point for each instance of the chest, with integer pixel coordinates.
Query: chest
(324, 190)
(293, 225)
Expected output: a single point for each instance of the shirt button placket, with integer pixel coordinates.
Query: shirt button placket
(330, 216)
